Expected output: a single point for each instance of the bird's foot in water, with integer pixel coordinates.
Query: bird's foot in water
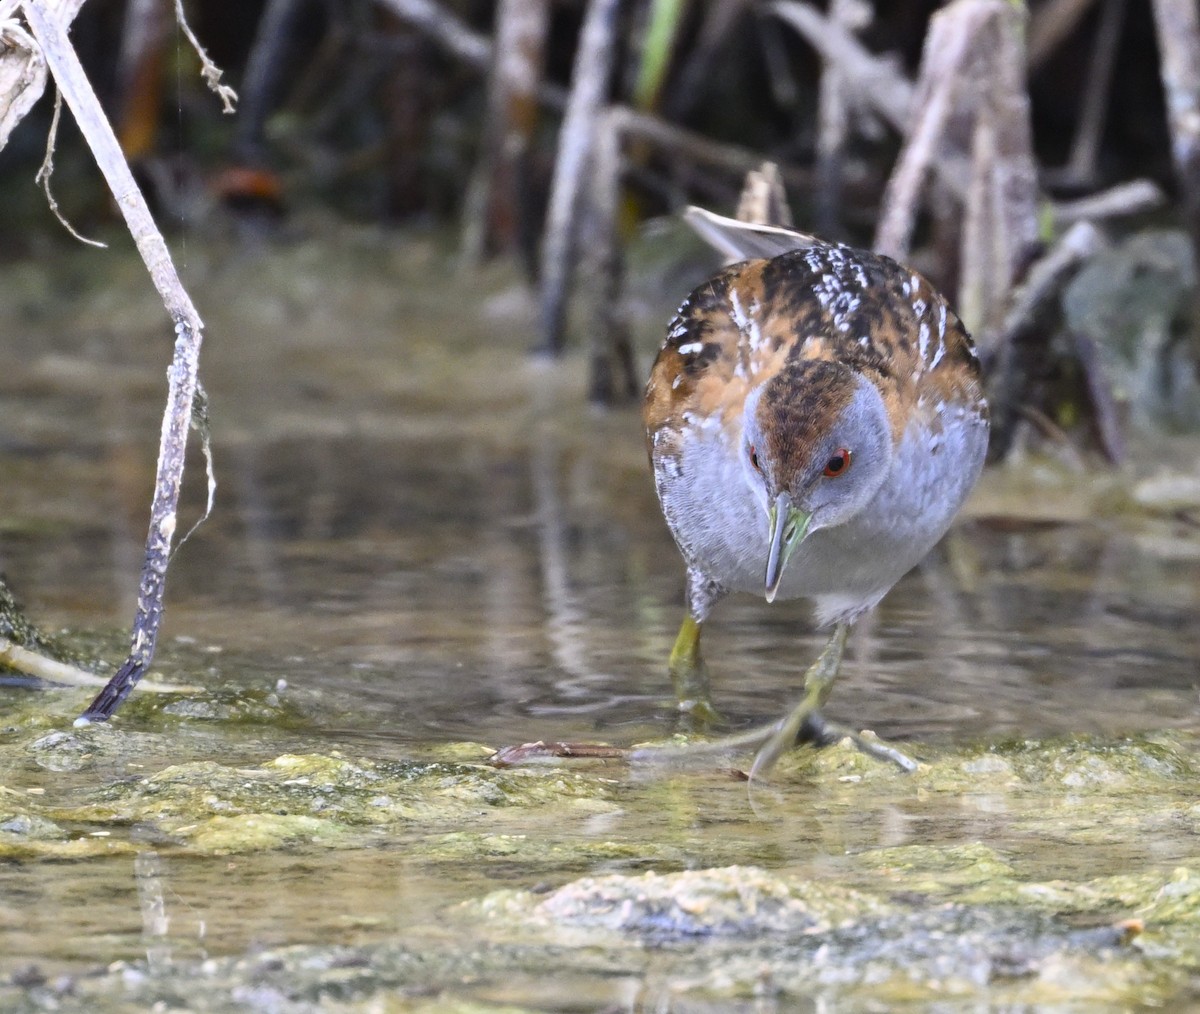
(820, 732)
(689, 677)
(805, 723)
(697, 715)
(816, 729)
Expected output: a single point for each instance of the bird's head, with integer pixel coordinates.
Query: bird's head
(816, 446)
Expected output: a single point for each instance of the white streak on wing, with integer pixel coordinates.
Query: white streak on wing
(923, 340)
(690, 348)
(941, 345)
(738, 314)
(755, 336)
(746, 320)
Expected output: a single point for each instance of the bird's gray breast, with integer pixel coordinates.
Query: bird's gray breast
(721, 526)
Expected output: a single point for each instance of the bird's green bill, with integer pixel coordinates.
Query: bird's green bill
(789, 525)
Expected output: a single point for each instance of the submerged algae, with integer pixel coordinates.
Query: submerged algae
(210, 807)
(1003, 895)
(803, 935)
(742, 936)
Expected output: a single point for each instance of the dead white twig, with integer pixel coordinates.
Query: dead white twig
(50, 31)
(874, 80)
(445, 28)
(971, 100)
(1026, 323)
(1051, 24)
(1132, 198)
(22, 72)
(42, 667)
(47, 170)
(208, 70)
(589, 82)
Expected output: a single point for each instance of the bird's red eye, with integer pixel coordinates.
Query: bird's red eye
(754, 459)
(838, 464)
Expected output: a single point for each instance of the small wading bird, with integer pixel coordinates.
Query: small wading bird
(815, 419)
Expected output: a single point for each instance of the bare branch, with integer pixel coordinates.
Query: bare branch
(444, 28)
(47, 170)
(1051, 24)
(874, 80)
(22, 75)
(589, 82)
(42, 667)
(1132, 198)
(97, 131)
(208, 70)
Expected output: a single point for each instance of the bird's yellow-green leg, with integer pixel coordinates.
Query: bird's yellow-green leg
(806, 721)
(689, 675)
(818, 682)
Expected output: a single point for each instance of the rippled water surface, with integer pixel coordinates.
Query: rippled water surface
(422, 537)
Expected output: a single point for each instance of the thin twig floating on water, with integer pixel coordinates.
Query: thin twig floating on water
(42, 667)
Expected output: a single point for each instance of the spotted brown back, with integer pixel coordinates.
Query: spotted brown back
(784, 317)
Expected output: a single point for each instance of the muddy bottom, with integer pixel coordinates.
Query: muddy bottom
(425, 547)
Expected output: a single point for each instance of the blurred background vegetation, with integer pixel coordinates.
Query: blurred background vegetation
(372, 114)
(449, 114)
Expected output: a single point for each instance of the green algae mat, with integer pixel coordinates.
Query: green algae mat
(1050, 875)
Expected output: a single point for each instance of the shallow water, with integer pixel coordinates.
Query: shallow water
(423, 538)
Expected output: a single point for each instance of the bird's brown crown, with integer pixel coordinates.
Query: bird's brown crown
(797, 407)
